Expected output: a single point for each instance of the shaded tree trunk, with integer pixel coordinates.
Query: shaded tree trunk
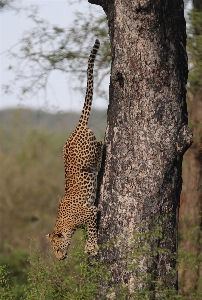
(146, 137)
(197, 5)
(191, 209)
(191, 206)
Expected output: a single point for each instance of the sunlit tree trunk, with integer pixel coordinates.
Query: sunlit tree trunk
(146, 137)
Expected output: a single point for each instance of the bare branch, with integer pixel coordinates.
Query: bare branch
(46, 48)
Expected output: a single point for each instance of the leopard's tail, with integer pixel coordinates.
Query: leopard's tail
(89, 90)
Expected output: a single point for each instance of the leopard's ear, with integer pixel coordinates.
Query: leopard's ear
(48, 236)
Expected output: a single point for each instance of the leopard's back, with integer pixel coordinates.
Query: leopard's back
(80, 154)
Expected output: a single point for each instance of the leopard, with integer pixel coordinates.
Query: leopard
(82, 155)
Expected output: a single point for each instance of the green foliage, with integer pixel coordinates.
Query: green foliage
(190, 259)
(80, 278)
(195, 50)
(6, 291)
(13, 271)
(48, 279)
(32, 183)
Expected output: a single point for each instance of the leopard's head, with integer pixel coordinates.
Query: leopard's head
(60, 243)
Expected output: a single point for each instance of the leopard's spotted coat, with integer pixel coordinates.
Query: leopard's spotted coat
(82, 158)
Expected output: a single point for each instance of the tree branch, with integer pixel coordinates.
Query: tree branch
(102, 3)
(97, 2)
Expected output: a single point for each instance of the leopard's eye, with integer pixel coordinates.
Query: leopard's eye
(59, 235)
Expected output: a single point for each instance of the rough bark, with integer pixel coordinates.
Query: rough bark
(146, 137)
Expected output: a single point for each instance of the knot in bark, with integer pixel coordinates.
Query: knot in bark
(184, 139)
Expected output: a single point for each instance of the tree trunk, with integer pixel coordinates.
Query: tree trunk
(190, 274)
(146, 137)
(191, 206)
(197, 5)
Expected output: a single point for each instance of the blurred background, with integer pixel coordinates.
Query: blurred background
(44, 52)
